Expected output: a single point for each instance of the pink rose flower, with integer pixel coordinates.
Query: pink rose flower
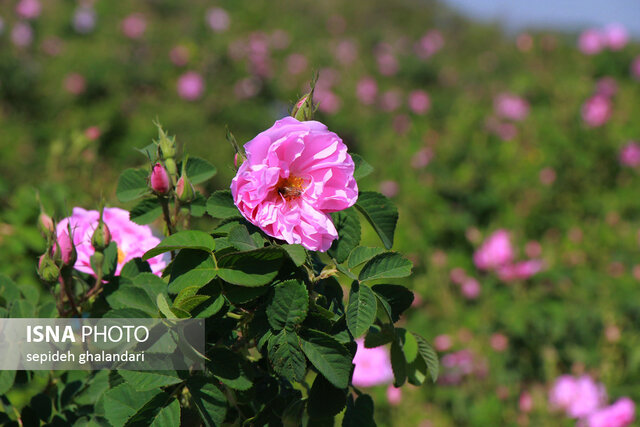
(525, 402)
(391, 100)
(28, 9)
(296, 173)
(373, 366)
(429, 44)
(419, 101)
(389, 188)
(616, 36)
(327, 101)
(499, 342)
(470, 288)
(367, 90)
(179, 55)
(75, 83)
(442, 342)
(394, 395)
(578, 397)
(620, 414)
(510, 106)
(607, 86)
(630, 154)
(22, 34)
(190, 86)
(591, 41)
(495, 252)
(421, 158)
(133, 240)
(134, 25)
(218, 19)
(519, 271)
(346, 52)
(247, 88)
(596, 111)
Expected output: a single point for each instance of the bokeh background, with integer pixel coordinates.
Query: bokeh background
(478, 116)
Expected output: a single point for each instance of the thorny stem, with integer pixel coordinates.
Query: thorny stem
(65, 283)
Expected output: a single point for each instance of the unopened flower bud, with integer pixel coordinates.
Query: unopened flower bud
(45, 224)
(101, 237)
(304, 109)
(65, 250)
(166, 144)
(184, 189)
(47, 269)
(159, 180)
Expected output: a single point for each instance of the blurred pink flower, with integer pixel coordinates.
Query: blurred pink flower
(346, 52)
(179, 55)
(247, 88)
(499, 342)
(259, 55)
(635, 68)
(533, 249)
(21, 34)
(28, 9)
(519, 271)
(456, 366)
(596, 110)
(591, 41)
(495, 252)
(367, 90)
(616, 36)
(75, 83)
(218, 19)
(510, 106)
(297, 63)
(620, 414)
(373, 366)
(295, 175)
(92, 133)
(280, 39)
(419, 101)
(327, 101)
(52, 46)
(389, 188)
(134, 25)
(547, 176)
(84, 19)
(524, 42)
(421, 158)
(470, 288)
(401, 124)
(525, 402)
(394, 395)
(390, 100)
(607, 86)
(630, 154)
(578, 397)
(387, 63)
(612, 333)
(429, 44)
(457, 275)
(190, 86)
(442, 342)
(133, 240)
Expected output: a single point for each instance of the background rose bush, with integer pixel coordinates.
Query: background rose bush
(75, 102)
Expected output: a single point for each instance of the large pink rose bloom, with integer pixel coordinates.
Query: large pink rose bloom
(133, 240)
(578, 397)
(620, 414)
(373, 366)
(296, 173)
(495, 252)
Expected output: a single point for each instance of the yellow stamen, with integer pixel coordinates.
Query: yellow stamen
(121, 256)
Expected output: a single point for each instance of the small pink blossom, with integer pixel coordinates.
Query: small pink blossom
(92, 133)
(190, 86)
(578, 397)
(297, 63)
(389, 188)
(373, 366)
(630, 154)
(28, 9)
(616, 36)
(607, 86)
(499, 342)
(596, 111)
(621, 414)
(134, 26)
(247, 88)
(390, 100)
(75, 83)
(547, 176)
(591, 41)
(327, 101)
(296, 173)
(422, 158)
(519, 271)
(533, 249)
(218, 19)
(458, 275)
(346, 52)
(179, 55)
(470, 288)
(442, 342)
(429, 44)
(133, 240)
(525, 402)
(52, 46)
(367, 90)
(419, 101)
(495, 252)
(401, 124)
(387, 63)
(280, 39)
(510, 106)
(524, 42)
(22, 34)
(394, 395)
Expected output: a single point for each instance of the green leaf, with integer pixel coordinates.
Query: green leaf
(188, 299)
(429, 355)
(398, 297)
(220, 205)
(191, 267)
(152, 411)
(169, 416)
(229, 368)
(361, 311)
(9, 291)
(409, 347)
(189, 239)
(146, 211)
(398, 363)
(6, 381)
(297, 253)
(149, 380)
(240, 239)
(128, 296)
(198, 206)
(132, 184)
(348, 225)
(330, 358)
(388, 265)
(381, 214)
(135, 267)
(378, 336)
(362, 254)
(22, 309)
(289, 305)
(359, 413)
(362, 168)
(241, 294)
(164, 308)
(110, 263)
(152, 284)
(209, 400)
(251, 268)
(123, 401)
(199, 170)
(286, 356)
(324, 399)
(417, 371)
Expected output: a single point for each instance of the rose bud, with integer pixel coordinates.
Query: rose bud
(304, 109)
(159, 180)
(101, 236)
(45, 224)
(184, 189)
(65, 250)
(47, 269)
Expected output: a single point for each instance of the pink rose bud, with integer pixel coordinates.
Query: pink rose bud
(303, 110)
(45, 224)
(47, 269)
(159, 180)
(184, 189)
(65, 249)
